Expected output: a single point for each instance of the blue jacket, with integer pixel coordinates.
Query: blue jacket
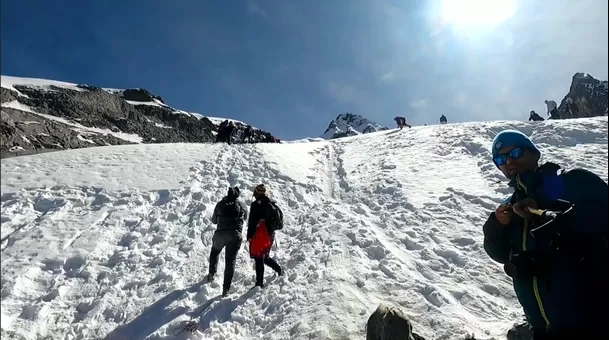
(569, 294)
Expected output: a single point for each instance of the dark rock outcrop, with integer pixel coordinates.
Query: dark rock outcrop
(43, 118)
(588, 95)
(140, 95)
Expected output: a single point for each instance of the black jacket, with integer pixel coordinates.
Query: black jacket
(571, 294)
(225, 217)
(258, 211)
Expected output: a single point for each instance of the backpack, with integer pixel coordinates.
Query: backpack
(261, 243)
(273, 216)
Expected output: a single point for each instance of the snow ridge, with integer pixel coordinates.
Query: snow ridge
(113, 242)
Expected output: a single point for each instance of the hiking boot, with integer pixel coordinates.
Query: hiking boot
(210, 277)
(225, 292)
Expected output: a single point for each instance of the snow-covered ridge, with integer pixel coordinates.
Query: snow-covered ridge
(348, 124)
(113, 242)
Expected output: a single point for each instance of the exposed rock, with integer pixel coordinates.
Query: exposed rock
(389, 323)
(7, 95)
(140, 95)
(40, 118)
(589, 96)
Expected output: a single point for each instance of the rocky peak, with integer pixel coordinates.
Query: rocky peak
(349, 124)
(589, 97)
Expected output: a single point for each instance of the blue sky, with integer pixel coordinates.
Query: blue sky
(291, 66)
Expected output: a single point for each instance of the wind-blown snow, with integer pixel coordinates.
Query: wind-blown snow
(113, 242)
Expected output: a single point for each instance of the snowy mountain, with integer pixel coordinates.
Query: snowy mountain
(349, 124)
(112, 243)
(40, 115)
(589, 96)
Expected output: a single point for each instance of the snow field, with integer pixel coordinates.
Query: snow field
(113, 242)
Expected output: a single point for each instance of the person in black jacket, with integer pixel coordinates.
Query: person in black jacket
(258, 211)
(559, 271)
(535, 117)
(229, 214)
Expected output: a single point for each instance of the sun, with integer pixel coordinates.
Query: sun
(476, 13)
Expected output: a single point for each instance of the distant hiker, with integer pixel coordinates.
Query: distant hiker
(443, 119)
(265, 218)
(229, 214)
(246, 135)
(560, 271)
(401, 122)
(571, 108)
(552, 109)
(533, 116)
(229, 132)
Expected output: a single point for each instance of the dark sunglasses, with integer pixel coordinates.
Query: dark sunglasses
(513, 154)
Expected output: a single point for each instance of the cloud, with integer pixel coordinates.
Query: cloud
(255, 9)
(418, 104)
(388, 76)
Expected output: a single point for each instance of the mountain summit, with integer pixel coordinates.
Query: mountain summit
(588, 95)
(349, 124)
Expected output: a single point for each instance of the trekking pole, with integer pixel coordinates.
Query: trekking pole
(550, 216)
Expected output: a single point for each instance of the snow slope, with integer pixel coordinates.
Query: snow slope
(112, 242)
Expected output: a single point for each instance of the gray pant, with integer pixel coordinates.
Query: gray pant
(231, 239)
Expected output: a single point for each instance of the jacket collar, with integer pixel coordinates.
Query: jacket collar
(530, 179)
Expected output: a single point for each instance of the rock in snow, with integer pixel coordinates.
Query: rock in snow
(113, 242)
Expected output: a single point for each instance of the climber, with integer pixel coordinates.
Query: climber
(221, 131)
(533, 116)
(246, 134)
(229, 130)
(443, 119)
(552, 109)
(401, 121)
(229, 214)
(559, 271)
(265, 218)
(571, 108)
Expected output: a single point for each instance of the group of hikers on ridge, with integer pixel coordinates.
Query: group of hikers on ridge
(552, 107)
(401, 121)
(229, 132)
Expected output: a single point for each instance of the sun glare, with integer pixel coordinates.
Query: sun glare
(477, 13)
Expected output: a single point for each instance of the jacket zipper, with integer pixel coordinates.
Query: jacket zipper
(535, 281)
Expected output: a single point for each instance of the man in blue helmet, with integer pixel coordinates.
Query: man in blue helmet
(559, 271)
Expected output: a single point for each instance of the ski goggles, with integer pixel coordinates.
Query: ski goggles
(513, 154)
